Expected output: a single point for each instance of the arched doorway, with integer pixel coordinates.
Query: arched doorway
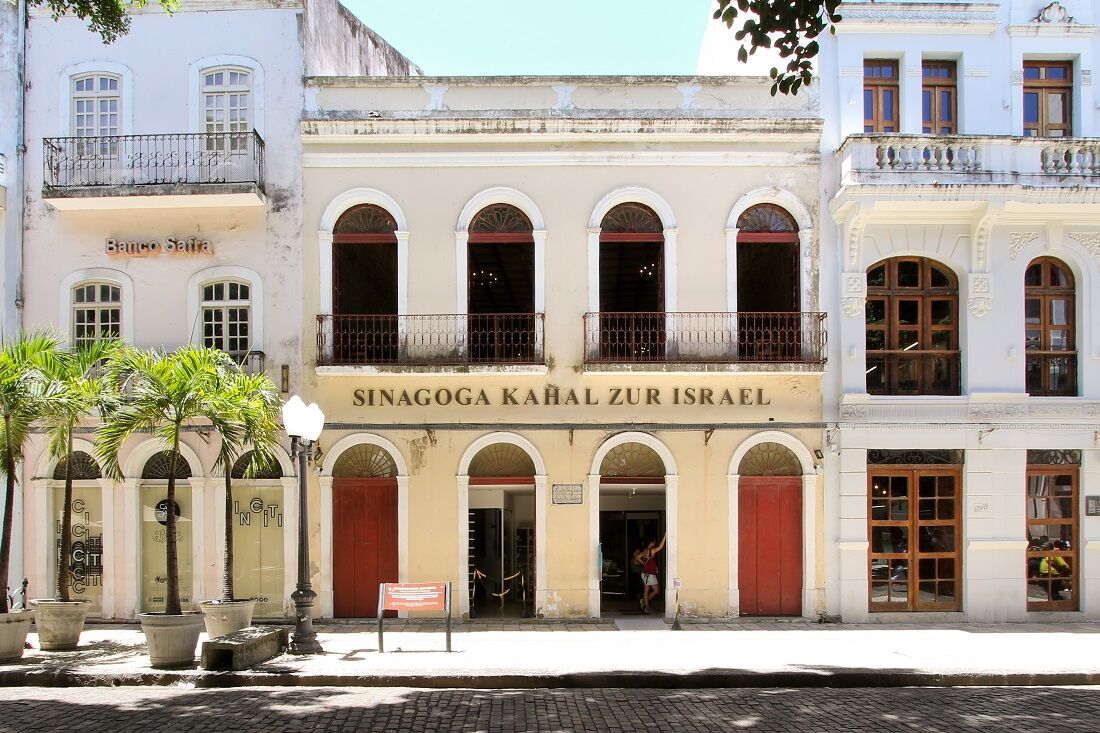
(258, 507)
(768, 285)
(631, 285)
(769, 530)
(364, 529)
(632, 501)
(85, 559)
(154, 519)
(501, 555)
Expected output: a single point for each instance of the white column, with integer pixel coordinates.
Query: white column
(461, 274)
(325, 583)
(911, 86)
(462, 579)
(733, 496)
(402, 272)
(731, 269)
(38, 568)
(403, 534)
(110, 545)
(126, 554)
(540, 270)
(290, 542)
(1089, 574)
(324, 250)
(542, 507)
(852, 545)
(215, 554)
(811, 601)
(593, 269)
(592, 498)
(670, 270)
(672, 533)
(806, 258)
(201, 539)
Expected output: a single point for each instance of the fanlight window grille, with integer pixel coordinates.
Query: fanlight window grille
(365, 461)
(632, 460)
(366, 219)
(501, 460)
(159, 467)
(84, 467)
(766, 218)
(770, 459)
(270, 471)
(633, 218)
(498, 218)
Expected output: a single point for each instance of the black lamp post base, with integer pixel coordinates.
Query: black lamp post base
(305, 646)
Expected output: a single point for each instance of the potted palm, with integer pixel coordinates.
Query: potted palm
(253, 403)
(77, 388)
(163, 394)
(23, 389)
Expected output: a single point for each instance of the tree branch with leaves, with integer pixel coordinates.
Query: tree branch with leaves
(108, 18)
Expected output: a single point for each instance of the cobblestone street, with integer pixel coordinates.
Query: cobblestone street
(125, 710)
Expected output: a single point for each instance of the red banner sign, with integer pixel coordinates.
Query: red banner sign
(415, 597)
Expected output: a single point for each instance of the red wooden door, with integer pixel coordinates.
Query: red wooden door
(769, 558)
(364, 543)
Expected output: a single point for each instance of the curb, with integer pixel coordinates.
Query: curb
(839, 678)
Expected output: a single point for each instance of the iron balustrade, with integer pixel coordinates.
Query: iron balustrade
(250, 362)
(718, 338)
(1051, 373)
(150, 160)
(441, 340)
(913, 372)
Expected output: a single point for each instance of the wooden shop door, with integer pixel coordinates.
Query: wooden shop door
(769, 565)
(364, 543)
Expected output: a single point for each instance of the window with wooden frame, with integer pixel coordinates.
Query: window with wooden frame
(915, 536)
(1052, 530)
(880, 96)
(97, 312)
(1048, 99)
(912, 328)
(939, 107)
(1050, 339)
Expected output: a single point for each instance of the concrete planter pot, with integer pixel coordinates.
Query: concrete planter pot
(225, 617)
(59, 623)
(172, 639)
(14, 627)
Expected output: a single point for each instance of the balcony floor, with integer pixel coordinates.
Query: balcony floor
(166, 196)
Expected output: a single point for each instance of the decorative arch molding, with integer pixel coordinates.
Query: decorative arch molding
(335, 209)
(796, 446)
(256, 292)
(796, 208)
(145, 450)
(46, 463)
(286, 463)
(652, 199)
(645, 439)
(126, 93)
(194, 87)
(97, 274)
(499, 195)
(349, 441)
(502, 437)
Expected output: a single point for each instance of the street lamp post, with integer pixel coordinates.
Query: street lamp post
(303, 425)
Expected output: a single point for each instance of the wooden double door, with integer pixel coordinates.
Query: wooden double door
(364, 543)
(769, 558)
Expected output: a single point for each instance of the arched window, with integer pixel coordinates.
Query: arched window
(96, 105)
(364, 287)
(227, 316)
(632, 298)
(96, 312)
(227, 107)
(1050, 328)
(769, 327)
(501, 286)
(912, 328)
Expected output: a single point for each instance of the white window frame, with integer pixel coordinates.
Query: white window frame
(67, 85)
(225, 305)
(227, 92)
(196, 74)
(95, 96)
(211, 275)
(97, 275)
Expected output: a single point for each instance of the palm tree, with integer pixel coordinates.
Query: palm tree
(252, 402)
(78, 388)
(23, 392)
(164, 393)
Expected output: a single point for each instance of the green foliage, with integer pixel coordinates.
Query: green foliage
(106, 17)
(790, 27)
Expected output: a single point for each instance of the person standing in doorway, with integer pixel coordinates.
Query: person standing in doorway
(651, 584)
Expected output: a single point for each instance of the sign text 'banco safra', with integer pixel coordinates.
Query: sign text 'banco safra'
(554, 396)
(170, 246)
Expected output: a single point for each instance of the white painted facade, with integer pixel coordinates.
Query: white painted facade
(156, 83)
(983, 204)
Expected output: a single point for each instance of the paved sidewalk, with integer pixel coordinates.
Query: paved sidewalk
(537, 654)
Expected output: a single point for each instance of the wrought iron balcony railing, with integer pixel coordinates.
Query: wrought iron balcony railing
(250, 362)
(717, 338)
(430, 340)
(149, 160)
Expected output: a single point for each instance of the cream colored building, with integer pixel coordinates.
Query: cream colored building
(555, 317)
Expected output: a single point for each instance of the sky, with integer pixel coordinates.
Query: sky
(558, 37)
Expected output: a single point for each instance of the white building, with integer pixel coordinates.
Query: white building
(11, 105)
(163, 189)
(961, 168)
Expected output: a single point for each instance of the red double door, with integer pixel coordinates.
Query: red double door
(769, 559)
(364, 543)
